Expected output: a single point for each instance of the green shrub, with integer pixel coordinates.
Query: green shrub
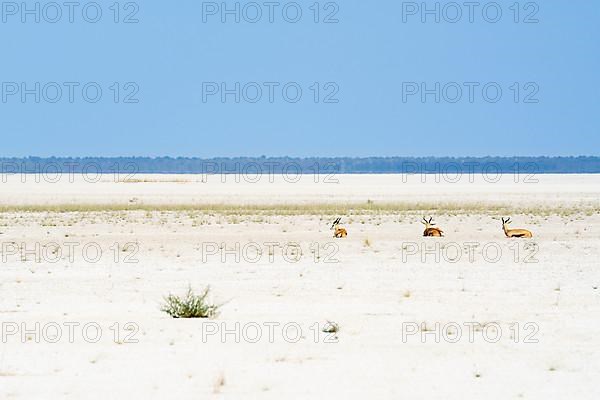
(190, 306)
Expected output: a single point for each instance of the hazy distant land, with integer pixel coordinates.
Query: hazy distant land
(311, 165)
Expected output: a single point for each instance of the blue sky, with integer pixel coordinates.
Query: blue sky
(370, 67)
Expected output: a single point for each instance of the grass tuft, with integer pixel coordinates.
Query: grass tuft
(190, 306)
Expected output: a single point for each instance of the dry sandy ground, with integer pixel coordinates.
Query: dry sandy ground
(471, 315)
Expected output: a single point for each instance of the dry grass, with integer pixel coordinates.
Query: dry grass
(328, 209)
(190, 306)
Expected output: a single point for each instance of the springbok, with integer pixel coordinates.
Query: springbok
(514, 233)
(339, 232)
(430, 231)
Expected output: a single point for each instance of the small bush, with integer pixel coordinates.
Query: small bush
(190, 306)
(331, 327)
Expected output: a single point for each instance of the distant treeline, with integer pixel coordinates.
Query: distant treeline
(288, 165)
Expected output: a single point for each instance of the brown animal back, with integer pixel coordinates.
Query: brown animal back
(341, 233)
(433, 232)
(520, 233)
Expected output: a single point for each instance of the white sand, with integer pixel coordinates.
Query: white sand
(374, 287)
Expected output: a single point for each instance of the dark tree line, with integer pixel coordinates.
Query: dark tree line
(289, 165)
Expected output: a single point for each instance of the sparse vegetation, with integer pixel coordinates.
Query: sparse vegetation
(362, 208)
(190, 306)
(331, 327)
(219, 383)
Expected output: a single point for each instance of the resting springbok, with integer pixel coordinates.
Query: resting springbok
(339, 232)
(430, 231)
(514, 233)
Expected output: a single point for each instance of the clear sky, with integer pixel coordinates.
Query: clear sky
(370, 68)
